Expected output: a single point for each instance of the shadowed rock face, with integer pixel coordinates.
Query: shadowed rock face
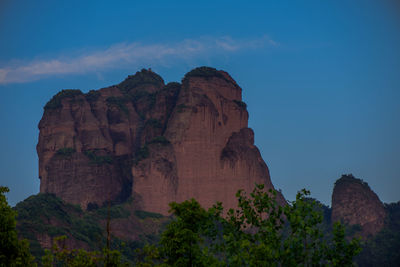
(354, 203)
(157, 143)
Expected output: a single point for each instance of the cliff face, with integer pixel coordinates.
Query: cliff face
(354, 203)
(154, 142)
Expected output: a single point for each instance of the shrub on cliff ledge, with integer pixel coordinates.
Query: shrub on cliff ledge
(97, 159)
(119, 102)
(141, 154)
(240, 104)
(146, 214)
(66, 151)
(160, 140)
(154, 123)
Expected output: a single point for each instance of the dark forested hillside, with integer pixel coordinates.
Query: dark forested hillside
(43, 217)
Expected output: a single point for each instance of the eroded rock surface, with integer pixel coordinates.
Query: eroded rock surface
(154, 142)
(354, 203)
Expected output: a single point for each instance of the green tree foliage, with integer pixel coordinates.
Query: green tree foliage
(83, 227)
(59, 255)
(13, 252)
(258, 233)
(181, 243)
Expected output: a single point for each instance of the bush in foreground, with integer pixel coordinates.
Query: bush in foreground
(13, 252)
(258, 233)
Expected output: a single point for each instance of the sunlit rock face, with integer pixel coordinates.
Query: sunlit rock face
(354, 203)
(152, 142)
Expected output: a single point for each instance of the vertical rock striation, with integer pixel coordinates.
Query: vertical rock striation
(157, 143)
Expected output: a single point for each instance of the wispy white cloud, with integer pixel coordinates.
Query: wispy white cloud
(126, 54)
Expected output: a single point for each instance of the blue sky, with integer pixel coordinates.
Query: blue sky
(321, 78)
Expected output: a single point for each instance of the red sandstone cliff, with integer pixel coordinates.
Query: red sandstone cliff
(157, 143)
(354, 203)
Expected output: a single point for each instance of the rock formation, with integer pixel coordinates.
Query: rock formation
(154, 142)
(354, 203)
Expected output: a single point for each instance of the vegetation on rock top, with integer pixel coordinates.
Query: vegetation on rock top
(92, 95)
(144, 77)
(172, 86)
(349, 178)
(206, 73)
(55, 101)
